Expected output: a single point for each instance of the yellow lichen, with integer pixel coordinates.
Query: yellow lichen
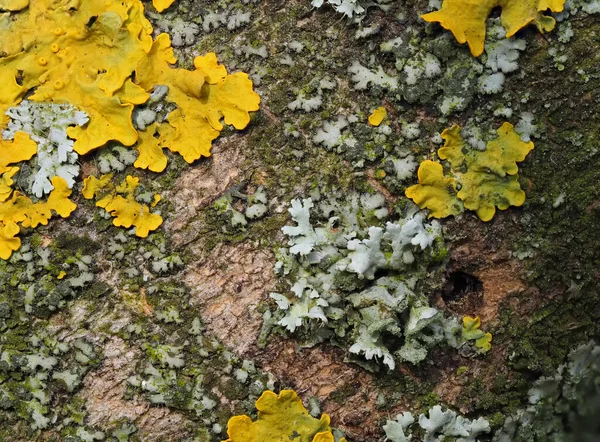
(88, 53)
(488, 179)
(151, 155)
(161, 5)
(377, 116)
(16, 208)
(6, 183)
(22, 148)
(204, 97)
(280, 418)
(13, 5)
(467, 18)
(471, 332)
(435, 191)
(120, 202)
(9, 242)
(484, 343)
(100, 56)
(93, 185)
(20, 209)
(471, 327)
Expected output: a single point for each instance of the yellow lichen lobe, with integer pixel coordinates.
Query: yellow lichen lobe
(151, 155)
(9, 241)
(377, 116)
(280, 418)
(470, 324)
(13, 5)
(161, 5)
(453, 147)
(435, 191)
(467, 18)
(22, 148)
(6, 183)
(20, 209)
(93, 185)
(16, 208)
(484, 343)
(471, 332)
(120, 202)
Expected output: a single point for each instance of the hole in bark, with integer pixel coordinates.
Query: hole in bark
(459, 285)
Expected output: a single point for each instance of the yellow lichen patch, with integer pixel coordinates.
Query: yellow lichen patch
(483, 192)
(161, 5)
(6, 183)
(467, 18)
(484, 343)
(22, 148)
(453, 147)
(19, 209)
(190, 142)
(93, 185)
(377, 116)
(471, 332)
(87, 53)
(58, 200)
(488, 179)
(204, 97)
(471, 327)
(13, 5)
(151, 155)
(502, 154)
(61, 274)
(120, 202)
(72, 52)
(9, 242)
(280, 418)
(435, 191)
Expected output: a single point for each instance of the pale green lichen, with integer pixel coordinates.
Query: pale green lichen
(354, 277)
(437, 425)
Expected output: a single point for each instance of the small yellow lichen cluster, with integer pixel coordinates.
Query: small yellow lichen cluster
(100, 57)
(377, 116)
(467, 18)
(471, 331)
(120, 202)
(161, 5)
(280, 418)
(487, 179)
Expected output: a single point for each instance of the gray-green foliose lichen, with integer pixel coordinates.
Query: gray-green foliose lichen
(354, 277)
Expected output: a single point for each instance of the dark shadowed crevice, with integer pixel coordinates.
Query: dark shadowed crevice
(459, 285)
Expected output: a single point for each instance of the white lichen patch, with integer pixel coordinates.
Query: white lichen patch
(46, 124)
(338, 253)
